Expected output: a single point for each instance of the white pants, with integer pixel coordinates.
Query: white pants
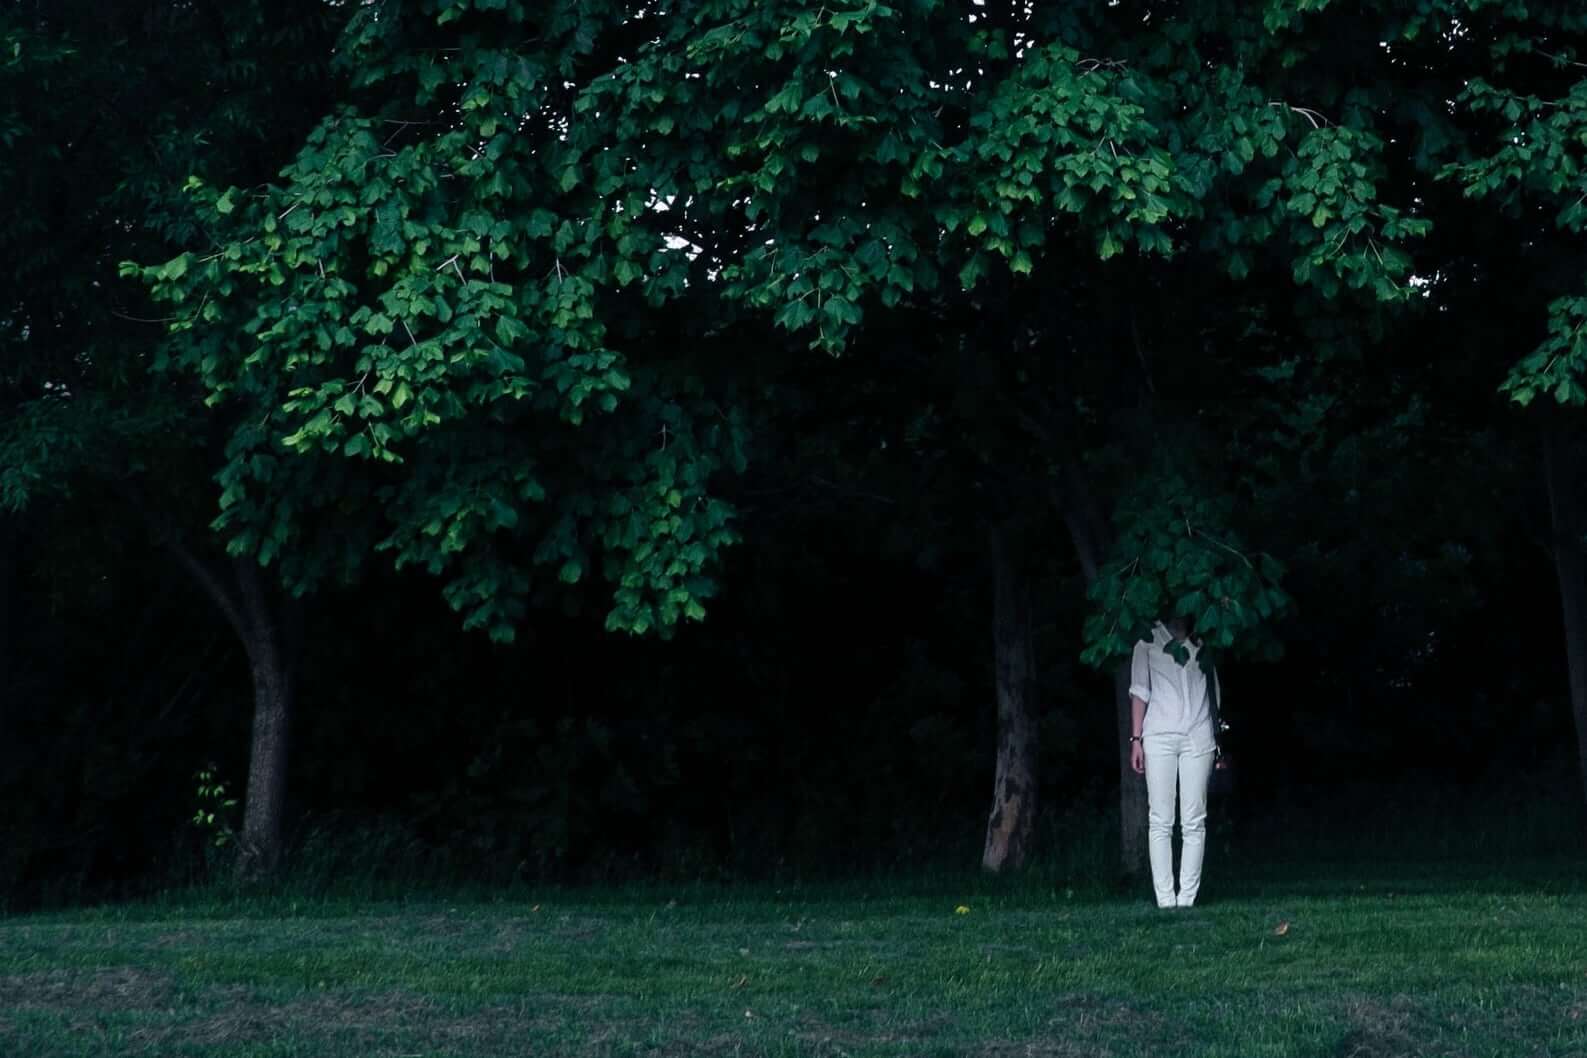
(1171, 763)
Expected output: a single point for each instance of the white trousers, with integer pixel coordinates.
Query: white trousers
(1173, 767)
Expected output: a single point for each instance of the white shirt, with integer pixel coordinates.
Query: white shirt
(1176, 696)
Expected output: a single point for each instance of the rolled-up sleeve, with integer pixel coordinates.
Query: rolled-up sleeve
(1141, 673)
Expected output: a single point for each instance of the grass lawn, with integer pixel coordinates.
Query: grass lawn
(1407, 961)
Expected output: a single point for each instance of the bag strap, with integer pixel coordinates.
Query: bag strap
(1149, 694)
(1210, 670)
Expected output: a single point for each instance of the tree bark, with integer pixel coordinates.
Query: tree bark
(10, 543)
(1088, 530)
(1561, 471)
(1011, 824)
(268, 633)
(271, 658)
(1132, 787)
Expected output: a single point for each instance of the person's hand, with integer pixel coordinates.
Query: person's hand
(1138, 758)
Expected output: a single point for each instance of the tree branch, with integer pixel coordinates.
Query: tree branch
(204, 574)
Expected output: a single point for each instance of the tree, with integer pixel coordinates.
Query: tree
(1515, 77)
(450, 300)
(108, 111)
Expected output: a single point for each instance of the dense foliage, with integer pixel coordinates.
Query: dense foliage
(699, 352)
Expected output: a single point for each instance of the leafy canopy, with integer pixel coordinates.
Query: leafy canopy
(467, 324)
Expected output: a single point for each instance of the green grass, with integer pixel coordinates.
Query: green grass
(1407, 960)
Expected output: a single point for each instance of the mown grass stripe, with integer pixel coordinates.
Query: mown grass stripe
(1403, 967)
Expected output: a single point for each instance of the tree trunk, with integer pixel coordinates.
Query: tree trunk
(269, 634)
(10, 542)
(1012, 820)
(1132, 787)
(1088, 531)
(1561, 466)
(271, 662)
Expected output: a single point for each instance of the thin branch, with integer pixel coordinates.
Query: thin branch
(1208, 536)
(204, 574)
(1560, 59)
(1140, 353)
(1317, 118)
(851, 491)
(140, 319)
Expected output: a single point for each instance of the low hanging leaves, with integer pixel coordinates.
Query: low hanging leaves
(447, 329)
(1177, 556)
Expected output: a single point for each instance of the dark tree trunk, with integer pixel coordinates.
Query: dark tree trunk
(267, 628)
(1088, 530)
(1012, 821)
(1562, 470)
(1132, 787)
(271, 658)
(10, 544)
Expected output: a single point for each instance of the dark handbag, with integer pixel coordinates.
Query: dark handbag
(1221, 782)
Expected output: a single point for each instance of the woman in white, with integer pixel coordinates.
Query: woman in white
(1173, 742)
